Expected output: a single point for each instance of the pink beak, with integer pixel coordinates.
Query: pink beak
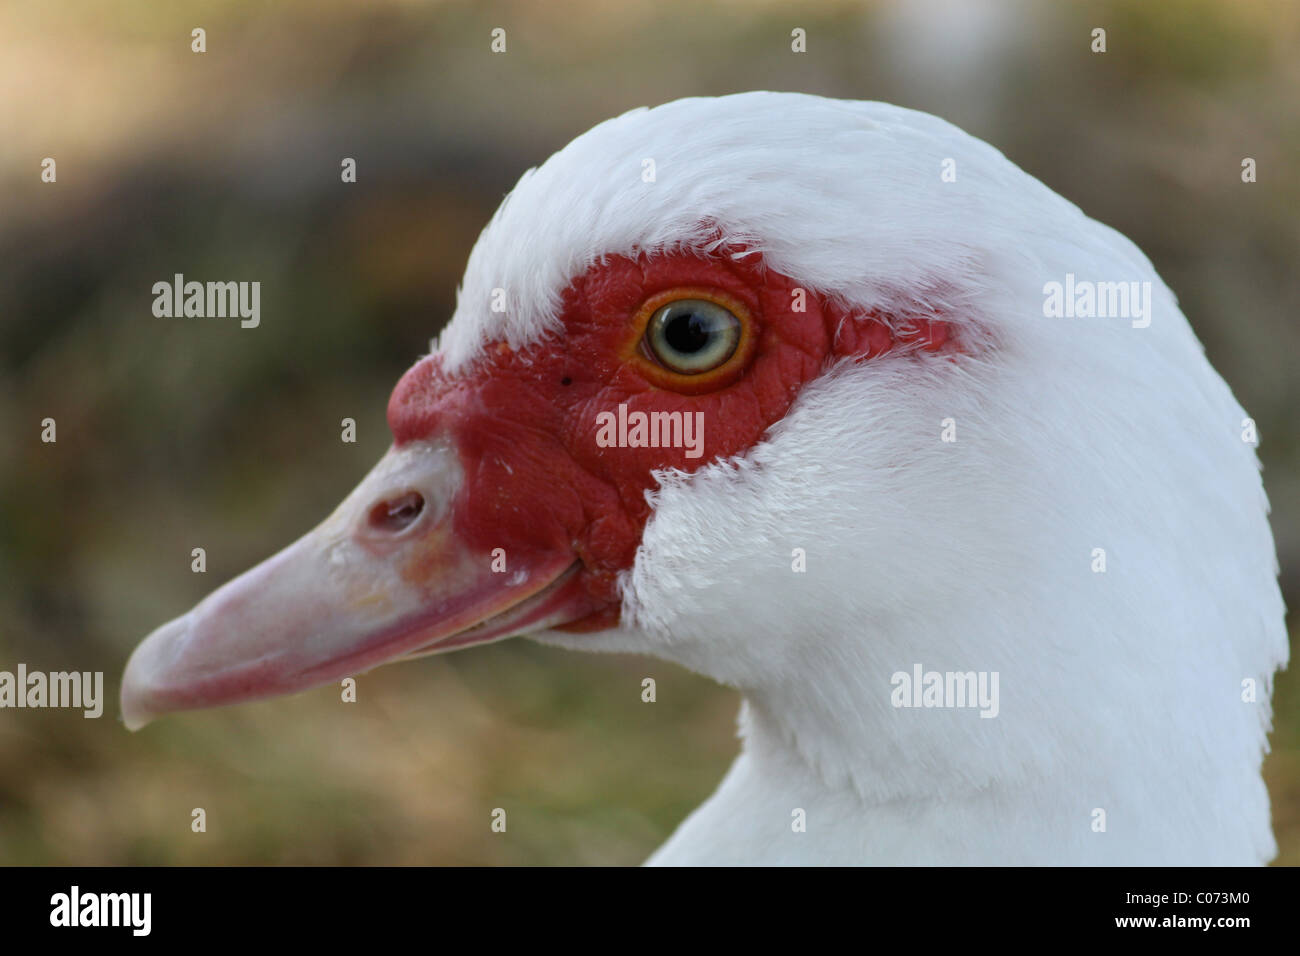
(383, 578)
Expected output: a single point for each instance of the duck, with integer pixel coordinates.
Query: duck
(832, 403)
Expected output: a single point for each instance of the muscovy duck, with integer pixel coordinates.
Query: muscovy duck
(831, 402)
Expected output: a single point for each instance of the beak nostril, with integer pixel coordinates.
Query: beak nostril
(397, 514)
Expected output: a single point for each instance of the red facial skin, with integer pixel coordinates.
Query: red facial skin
(536, 482)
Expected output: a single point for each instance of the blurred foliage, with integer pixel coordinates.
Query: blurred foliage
(174, 434)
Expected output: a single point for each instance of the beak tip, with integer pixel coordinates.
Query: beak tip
(135, 697)
(134, 720)
(133, 701)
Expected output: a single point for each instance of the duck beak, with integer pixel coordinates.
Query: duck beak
(385, 577)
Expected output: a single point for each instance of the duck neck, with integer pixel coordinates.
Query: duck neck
(876, 771)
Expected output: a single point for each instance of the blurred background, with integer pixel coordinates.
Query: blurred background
(181, 434)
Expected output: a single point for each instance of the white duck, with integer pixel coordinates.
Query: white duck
(860, 336)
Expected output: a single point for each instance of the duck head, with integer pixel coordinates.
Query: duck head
(755, 385)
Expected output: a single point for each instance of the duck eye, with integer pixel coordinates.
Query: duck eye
(691, 336)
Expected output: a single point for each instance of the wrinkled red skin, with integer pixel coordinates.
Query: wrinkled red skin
(537, 483)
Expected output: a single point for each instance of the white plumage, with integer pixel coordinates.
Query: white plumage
(1120, 691)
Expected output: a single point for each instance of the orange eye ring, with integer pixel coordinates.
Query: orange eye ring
(639, 351)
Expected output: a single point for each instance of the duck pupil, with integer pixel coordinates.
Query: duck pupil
(687, 332)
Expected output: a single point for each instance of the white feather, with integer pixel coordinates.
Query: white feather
(1120, 691)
